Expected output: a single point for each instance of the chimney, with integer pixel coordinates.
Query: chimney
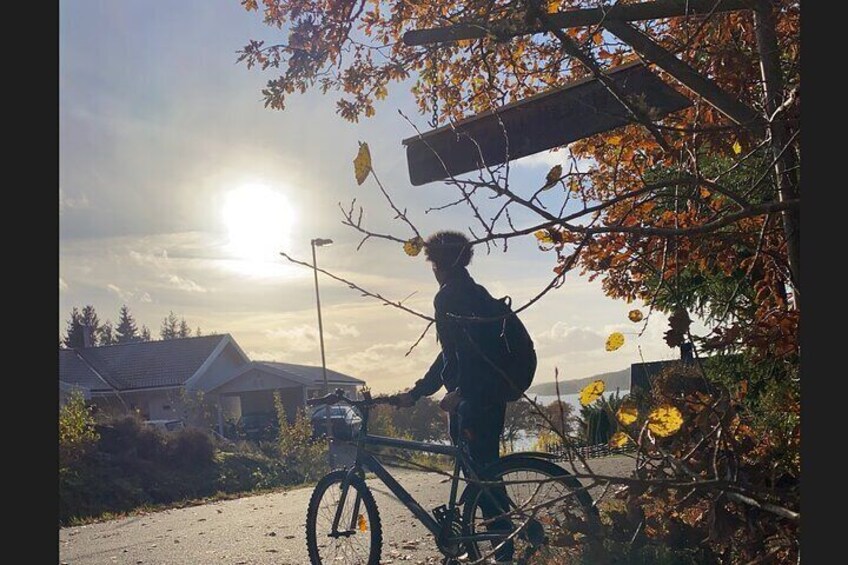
(86, 336)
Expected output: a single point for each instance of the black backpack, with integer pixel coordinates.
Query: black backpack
(514, 359)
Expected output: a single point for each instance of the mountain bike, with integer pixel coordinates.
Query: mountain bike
(542, 510)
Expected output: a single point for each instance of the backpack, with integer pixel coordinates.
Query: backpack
(514, 359)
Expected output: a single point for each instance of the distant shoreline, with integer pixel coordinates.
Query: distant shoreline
(612, 380)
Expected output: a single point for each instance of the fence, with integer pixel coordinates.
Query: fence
(569, 453)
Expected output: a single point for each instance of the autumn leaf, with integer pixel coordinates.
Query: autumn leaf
(591, 392)
(635, 315)
(627, 413)
(362, 163)
(618, 439)
(362, 523)
(614, 341)
(553, 176)
(413, 246)
(665, 420)
(614, 140)
(544, 236)
(737, 148)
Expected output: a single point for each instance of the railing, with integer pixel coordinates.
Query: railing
(569, 453)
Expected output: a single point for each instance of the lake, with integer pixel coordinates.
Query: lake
(526, 441)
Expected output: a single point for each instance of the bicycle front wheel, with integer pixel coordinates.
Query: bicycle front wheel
(358, 539)
(550, 518)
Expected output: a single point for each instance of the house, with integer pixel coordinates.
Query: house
(154, 377)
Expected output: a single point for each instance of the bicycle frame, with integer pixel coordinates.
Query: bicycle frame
(364, 459)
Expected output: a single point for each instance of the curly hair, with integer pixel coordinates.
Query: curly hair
(448, 250)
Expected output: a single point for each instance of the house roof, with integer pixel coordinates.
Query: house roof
(138, 365)
(73, 370)
(309, 375)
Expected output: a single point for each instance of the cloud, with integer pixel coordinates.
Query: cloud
(62, 284)
(347, 330)
(181, 283)
(548, 159)
(569, 339)
(298, 339)
(129, 295)
(71, 203)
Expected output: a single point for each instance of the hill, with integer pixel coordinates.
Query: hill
(620, 379)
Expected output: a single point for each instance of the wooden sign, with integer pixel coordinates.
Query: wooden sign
(550, 119)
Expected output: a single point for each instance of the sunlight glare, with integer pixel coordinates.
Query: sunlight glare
(259, 223)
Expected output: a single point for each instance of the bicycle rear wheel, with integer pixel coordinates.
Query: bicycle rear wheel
(360, 544)
(552, 511)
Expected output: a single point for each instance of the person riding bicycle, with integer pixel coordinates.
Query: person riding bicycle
(474, 390)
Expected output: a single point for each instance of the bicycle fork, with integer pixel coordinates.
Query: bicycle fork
(354, 517)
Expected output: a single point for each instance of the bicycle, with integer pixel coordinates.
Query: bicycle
(554, 513)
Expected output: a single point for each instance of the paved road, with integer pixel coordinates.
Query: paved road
(259, 530)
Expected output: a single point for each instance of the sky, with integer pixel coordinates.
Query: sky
(177, 189)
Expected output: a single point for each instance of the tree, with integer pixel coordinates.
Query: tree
(170, 327)
(693, 212)
(74, 332)
(184, 330)
(145, 333)
(519, 417)
(106, 335)
(81, 323)
(596, 423)
(127, 331)
(502, 52)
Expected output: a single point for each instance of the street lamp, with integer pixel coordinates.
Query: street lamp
(319, 242)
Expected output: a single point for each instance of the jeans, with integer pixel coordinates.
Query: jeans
(482, 427)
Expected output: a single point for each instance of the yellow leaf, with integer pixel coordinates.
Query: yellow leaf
(362, 163)
(614, 140)
(413, 246)
(614, 341)
(591, 392)
(627, 413)
(553, 176)
(544, 236)
(737, 148)
(618, 439)
(665, 420)
(635, 315)
(363, 525)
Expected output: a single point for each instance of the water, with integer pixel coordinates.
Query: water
(526, 440)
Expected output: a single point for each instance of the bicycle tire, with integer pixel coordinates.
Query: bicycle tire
(317, 512)
(560, 545)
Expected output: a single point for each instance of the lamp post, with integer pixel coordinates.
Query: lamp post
(319, 242)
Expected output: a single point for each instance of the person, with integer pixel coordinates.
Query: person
(463, 366)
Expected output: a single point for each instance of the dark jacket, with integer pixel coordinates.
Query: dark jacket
(461, 363)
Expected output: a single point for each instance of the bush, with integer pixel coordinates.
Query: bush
(77, 433)
(303, 456)
(191, 447)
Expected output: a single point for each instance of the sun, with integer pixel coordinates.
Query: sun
(259, 223)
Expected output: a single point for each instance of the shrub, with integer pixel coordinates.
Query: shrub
(77, 434)
(303, 456)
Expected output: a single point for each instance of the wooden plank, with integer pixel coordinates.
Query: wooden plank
(689, 77)
(551, 119)
(575, 18)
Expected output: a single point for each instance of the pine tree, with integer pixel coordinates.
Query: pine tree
(170, 327)
(92, 322)
(127, 331)
(145, 333)
(184, 330)
(197, 332)
(74, 333)
(106, 336)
